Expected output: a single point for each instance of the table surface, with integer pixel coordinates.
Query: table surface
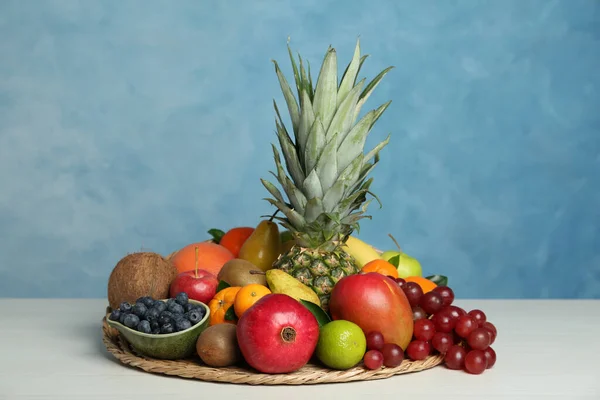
(547, 349)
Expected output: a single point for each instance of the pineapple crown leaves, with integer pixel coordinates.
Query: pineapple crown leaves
(325, 173)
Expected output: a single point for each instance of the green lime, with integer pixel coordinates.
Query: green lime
(342, 344)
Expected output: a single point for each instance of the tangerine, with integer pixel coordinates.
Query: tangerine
(380, 266)
(223, 300)
(234, 238)
(211, 257)
(425, 283)
(247, 296)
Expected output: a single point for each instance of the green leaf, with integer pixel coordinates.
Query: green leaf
(289, 97)
(320, 315)
(217, 234)
(222, 285)
(325, 101)
(230, 314)
(395, 261)
(439, 280)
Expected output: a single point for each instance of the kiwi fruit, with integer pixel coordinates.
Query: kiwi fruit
(238, 272)
(140, 274)
(217, 346)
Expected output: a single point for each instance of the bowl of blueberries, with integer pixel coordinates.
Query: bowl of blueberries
(167, 328)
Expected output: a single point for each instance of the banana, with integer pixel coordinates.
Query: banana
(361, 251)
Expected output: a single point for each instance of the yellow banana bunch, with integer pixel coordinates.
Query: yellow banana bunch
(361, 251)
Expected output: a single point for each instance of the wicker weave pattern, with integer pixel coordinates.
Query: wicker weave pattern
(193, 369)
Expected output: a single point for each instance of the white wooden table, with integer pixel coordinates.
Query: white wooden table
(547, 349)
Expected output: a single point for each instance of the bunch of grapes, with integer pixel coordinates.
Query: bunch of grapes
(463, 338)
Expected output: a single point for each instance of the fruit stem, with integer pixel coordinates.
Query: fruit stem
(397, 245)
(196, 261)
(273, 216)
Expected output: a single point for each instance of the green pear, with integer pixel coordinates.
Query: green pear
(405, 264)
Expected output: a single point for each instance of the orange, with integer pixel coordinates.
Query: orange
(247, 296)
(380, 266)
(219, 305)
(425, 283)
(234, 238)
(211, 257)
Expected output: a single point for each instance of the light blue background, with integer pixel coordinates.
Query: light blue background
(141, 124)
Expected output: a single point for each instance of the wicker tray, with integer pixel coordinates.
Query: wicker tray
(193, 368)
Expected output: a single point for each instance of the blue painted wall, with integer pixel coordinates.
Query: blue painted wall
(141, 124)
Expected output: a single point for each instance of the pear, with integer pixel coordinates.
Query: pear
(283, 283)
(263, 246)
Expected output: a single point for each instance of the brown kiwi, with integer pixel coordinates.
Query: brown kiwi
(217, 346)
(140, 274)
(238, 272)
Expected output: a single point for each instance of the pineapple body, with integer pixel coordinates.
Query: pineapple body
(318, 269)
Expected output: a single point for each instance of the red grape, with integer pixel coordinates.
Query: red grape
(478, 315)
(442, 342)
(418, 313)
(413, 293)
(479, 339)
(375, 340)
(392, 355)
(455, 357)
(455, 312)
(373, 359)
(475, 362)
(447, 294)
(400, 281)
(443, 321)
(431, 302)
(424, 330)
(490, 327)
(465, 325)
(418, 350)
(490, 356)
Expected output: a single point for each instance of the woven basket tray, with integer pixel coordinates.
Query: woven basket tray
(193, 368)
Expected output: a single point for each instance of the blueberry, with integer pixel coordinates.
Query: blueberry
(182, 298)
(149, 301)
(140, 309)
(160, 306)
(131, 320)
(156, 331)
(167, 313)
(155, 325)
(170, 301)
(183, 324)
(166, 328)
(122, 318)
(152, 314)
(194, 316)
(189, 307)
(176, 308)
(163, 319)
(115, 315)
(125, 307)
(144, 326)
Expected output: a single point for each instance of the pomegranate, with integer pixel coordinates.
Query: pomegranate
(277, 334)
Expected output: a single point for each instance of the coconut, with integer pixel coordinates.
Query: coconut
(140, 274)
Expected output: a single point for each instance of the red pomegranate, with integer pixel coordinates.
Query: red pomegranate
(277, 334)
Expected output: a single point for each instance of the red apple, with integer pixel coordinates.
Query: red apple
(375, 303)
(277, 334)
(199, 285)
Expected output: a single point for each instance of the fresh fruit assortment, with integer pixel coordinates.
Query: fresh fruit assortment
(312, 290)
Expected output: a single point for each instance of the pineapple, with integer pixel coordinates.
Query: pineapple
(325, 176)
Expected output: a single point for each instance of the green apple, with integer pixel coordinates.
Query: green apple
(406, 265)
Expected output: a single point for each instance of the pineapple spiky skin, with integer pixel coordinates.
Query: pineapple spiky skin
(318, 269)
